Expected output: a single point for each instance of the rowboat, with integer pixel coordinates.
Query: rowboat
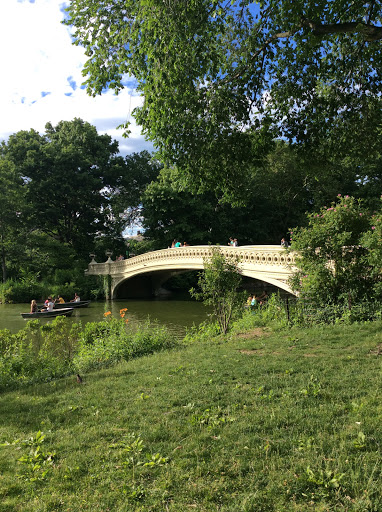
(48, 314)
(79, 304)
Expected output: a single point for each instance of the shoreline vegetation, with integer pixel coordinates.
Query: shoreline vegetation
(267, 417)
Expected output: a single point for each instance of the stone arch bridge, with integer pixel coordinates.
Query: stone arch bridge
(144, 275)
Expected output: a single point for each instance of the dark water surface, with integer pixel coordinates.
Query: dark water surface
(176, 315)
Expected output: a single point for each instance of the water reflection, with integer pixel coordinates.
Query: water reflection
(176, 315)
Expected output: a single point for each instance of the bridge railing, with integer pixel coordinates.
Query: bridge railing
(259, 255)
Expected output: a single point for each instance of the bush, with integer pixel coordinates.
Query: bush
(218, 287)
(273, 312)
(205, 332)
(6, 292)
(40, 353)
(106, 343)
(340, 250)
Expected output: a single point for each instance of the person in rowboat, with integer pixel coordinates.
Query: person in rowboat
(48, 305)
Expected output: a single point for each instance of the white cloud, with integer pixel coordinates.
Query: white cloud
(41, 76)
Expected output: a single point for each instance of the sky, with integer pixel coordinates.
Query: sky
(41, 77)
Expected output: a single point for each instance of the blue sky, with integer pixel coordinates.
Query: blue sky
(41, 76)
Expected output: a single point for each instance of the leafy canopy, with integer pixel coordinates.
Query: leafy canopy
(220, 78)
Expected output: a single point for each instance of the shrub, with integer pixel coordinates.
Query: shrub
(40, 353)
(218, 287)
(340, 251)
(106, 343)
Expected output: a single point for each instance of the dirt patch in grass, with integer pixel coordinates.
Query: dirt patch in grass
(252, 352)
(377, 351)
(257, 332)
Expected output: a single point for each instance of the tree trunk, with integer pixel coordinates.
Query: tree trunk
(3, 265)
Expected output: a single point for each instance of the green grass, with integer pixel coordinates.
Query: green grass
(285, 421)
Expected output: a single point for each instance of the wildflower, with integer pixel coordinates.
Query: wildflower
(372, 227)
(360, 214)
(126, 321)
(338, 195)
(108, 313)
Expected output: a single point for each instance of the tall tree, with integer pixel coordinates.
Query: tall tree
(12, 210)
(217, 76)
(281, 189)
(67, 172)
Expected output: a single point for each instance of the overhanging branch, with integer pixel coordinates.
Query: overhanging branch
(370, 32)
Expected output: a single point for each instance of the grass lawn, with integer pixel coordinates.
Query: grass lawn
(282, 421)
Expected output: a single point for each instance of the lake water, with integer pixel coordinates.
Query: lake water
(176, 315)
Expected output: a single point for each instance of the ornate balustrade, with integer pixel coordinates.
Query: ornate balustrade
(268, 263)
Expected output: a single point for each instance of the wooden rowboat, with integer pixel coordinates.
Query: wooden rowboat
(79, 304)
(48, 314)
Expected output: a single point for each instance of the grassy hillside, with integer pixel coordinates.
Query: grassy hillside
(286, 421)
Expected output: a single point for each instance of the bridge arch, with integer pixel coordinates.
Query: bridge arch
(268, 263)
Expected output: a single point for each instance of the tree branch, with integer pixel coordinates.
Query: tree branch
(369, 32)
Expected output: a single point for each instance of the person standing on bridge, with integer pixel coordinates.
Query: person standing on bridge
(284, 243)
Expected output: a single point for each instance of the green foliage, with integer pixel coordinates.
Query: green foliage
(231, 75)
(25, 290)
(335, 265)
(272, 313)
(63, 195)
(137, 172)
(103, 344)
(6, 292)
(37, 463)
(12, 214)
(203, 333)
(66, 171)
(136, 247)
(40, 353)
(218, 287)
(211, 419)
